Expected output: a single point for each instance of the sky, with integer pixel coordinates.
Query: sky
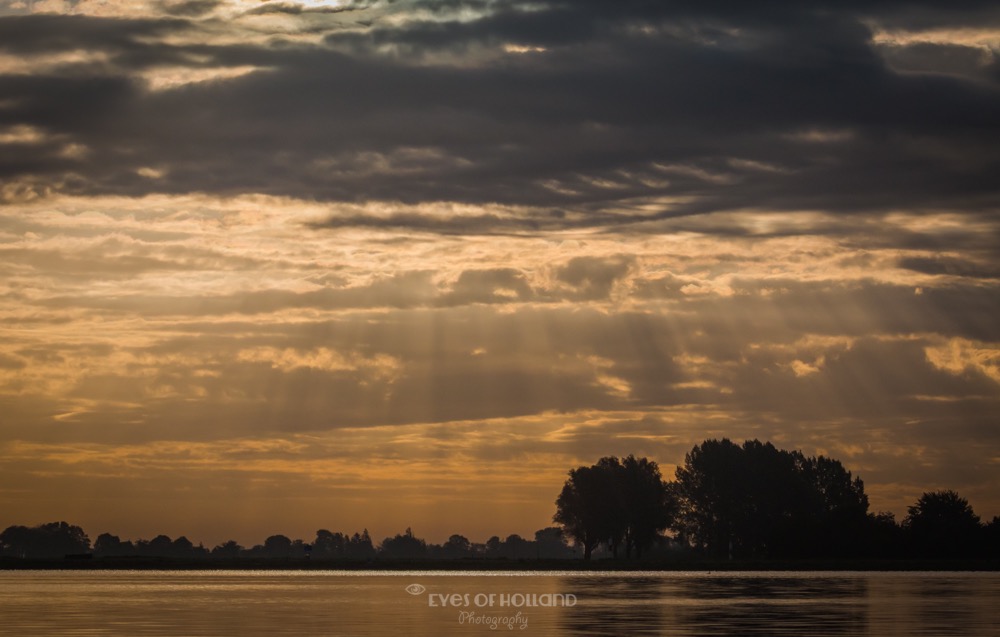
(270, 267)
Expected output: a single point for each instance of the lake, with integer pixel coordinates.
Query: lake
(432, 603)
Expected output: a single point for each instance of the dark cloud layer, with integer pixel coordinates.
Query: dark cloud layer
(782, 106)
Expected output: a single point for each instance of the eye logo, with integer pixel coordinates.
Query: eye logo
(415, 589)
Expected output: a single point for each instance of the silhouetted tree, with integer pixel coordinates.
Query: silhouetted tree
(183, 548)
(329, 545)
(19, 541)
(883, 537)
(518, 548)
(755, 499)
(52, 540)
(616, 524)
(617, 502)
(778, 495)
(360, 546)
(457, 546)
(943, 524)
(403, 546)
(67, 538)
(278, 546)
(513, 547)
(159, 546)
(712, 495)
(826, 511)
(647, 503)
(229, 550)
(107, 545)
(494, 547)
(551, 544)
(299, 549)
(991, 538)
(589, 508)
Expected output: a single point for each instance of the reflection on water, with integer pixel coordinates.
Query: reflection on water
(725, 604)
(338, 603)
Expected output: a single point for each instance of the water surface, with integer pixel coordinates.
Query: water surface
(247, 603)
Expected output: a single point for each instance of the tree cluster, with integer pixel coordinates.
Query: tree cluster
(57, 540)
(617, 502)
(327, 545)
(549, 543)
(727, 500)
(756, 501)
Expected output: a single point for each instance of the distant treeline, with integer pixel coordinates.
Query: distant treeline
(60, 540)
(750, 501)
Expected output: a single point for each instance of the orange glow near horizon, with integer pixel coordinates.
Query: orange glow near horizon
(271, 267)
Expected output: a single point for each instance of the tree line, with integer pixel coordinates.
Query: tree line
(757, 501)
(58, 540)
(726, 501)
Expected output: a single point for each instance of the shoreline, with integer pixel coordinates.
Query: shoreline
(501, 565)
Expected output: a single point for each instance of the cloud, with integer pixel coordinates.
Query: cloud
(296, 8)
(593, 277)
(191, 8)
(499, 285)
(277, 248)
(582, 125)
(951, 266)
